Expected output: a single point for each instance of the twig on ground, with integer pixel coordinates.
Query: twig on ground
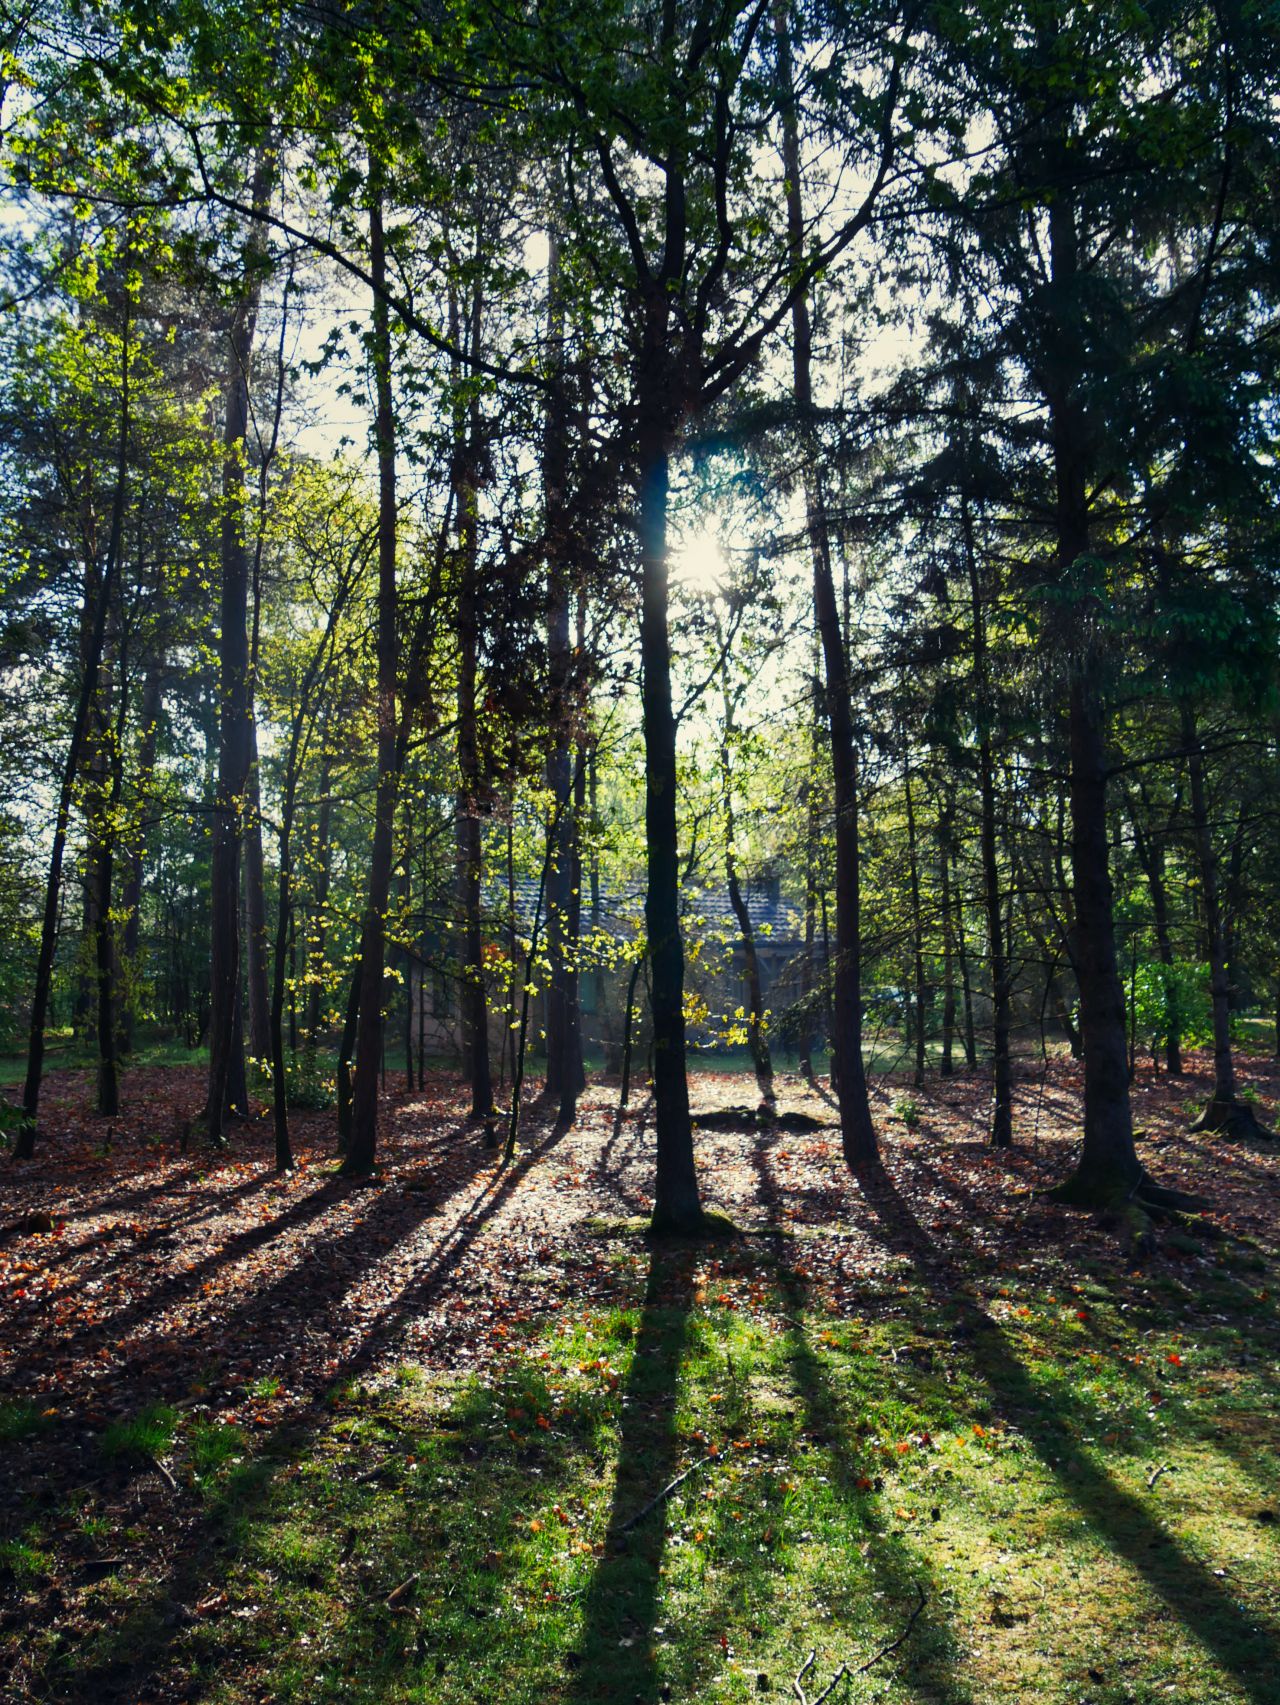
(797, 1686)
(818, 1699)
(662, 1496)
(164, 1473)
(892, 1645)
(1164, 1468)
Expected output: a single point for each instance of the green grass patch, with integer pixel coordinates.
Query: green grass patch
(147, 1434)
(19, 1419)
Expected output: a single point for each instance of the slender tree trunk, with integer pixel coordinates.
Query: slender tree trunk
(24, 1146)
(757, 1041)
(1150, 853)
(131, 895)
(677, 1206)
(947, 1065)
(406, 900)
(1002, 1073)
(226, 1037)
(564, 1033)
(105, 955)
(858, 1136)
(362, 1149)
(275, 1013)
(1225, 1112)
(575, 1077)
(255, 909)
(346, 1053)
(917, 927)
(624, 1092)
(966, 999)
(1108, 1167)
(321, 860)
(474, 998)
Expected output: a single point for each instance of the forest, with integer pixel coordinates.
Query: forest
(639, 888)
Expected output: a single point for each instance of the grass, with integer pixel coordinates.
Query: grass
(19, 1419)
(1084, 1486)
(143, 1436)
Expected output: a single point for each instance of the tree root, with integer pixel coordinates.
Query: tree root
(1235, 1120)
(1117, 1194)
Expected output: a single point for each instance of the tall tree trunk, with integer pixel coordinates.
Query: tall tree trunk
(226, 1035)
(255, 912)
(362, 1147)
(131, 894)
(576, 1074)
(1108, 1167)
(1002, 1072)
(24, 1146)
(470, 846)
(807, 979)
(105, 956)
(917, 926)
(966, 998)
(565, 1074)
(1225, 1111)
(947, 1065)
(406, 902)
(757, 1041)
(346, 1054)
(677, 1204)
(1150, 851)
(321, 861)
(858, 1136)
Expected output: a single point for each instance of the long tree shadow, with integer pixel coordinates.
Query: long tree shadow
(620, 1609)
(140, 1648)
(1051, 1423)
(893, 1569)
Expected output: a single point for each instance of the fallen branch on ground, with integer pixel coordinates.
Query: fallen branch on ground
(662, 1496)
(845, 1672)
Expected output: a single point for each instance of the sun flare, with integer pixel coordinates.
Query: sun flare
(698, 562)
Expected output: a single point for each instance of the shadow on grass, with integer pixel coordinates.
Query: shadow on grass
(1052, 1424)
(146, 1644)
(620, 1608)
(893, 1569)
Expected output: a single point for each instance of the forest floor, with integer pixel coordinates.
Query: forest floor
(299, 1440)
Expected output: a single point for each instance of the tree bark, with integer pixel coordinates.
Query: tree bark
(1225, 1111)
(677, 1206)
(946, 1065)
(757, 1041)
(1108, 1167)
(131, 894)
(1002, 1072)
(105, 957)
(362, 1149)
(473, 1002)
(24, 1146)
(565, 1075)
(917, 928)
(1150, 853)
(858, 1136)
(255, 910)
(226, 1036)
